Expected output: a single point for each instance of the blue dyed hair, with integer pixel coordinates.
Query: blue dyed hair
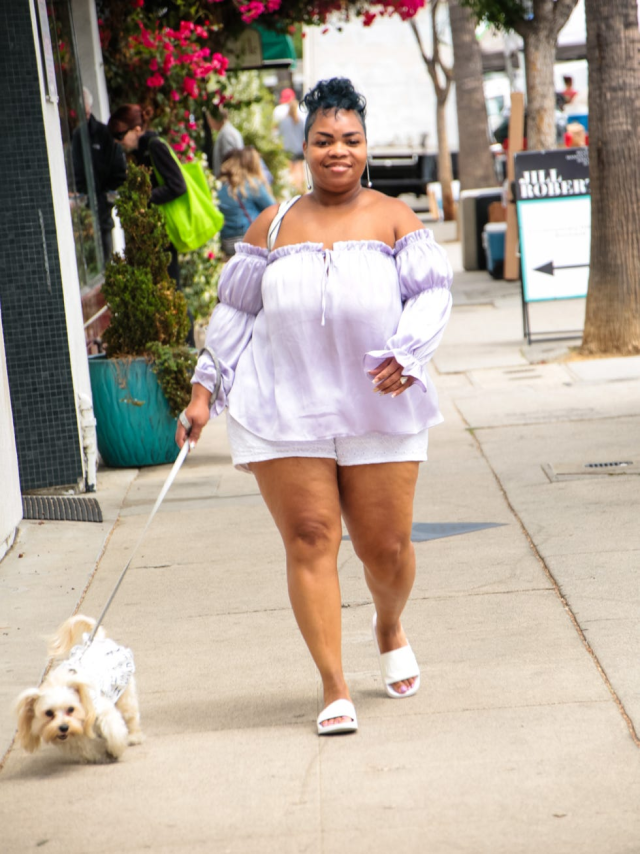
(333, 95)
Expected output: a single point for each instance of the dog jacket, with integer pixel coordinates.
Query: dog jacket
(104, 665)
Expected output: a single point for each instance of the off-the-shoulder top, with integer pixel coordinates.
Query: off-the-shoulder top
(296, 330)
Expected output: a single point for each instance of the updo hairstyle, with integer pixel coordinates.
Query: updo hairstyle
(333, 95)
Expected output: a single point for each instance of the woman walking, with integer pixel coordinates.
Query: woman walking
(328, 314)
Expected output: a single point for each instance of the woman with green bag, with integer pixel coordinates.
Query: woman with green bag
(190, 216)
(129, 126)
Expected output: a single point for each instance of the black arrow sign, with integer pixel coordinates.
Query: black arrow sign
(550, 268)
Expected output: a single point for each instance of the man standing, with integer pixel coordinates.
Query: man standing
(109, 170)
(228, 137)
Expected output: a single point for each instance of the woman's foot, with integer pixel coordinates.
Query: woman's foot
(395, 641)
(338, 717)
(331, 693)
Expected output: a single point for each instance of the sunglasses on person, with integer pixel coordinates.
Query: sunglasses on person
(120, 135)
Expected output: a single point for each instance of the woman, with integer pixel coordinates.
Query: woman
(291, 127)
(128, 125)
(322, 345)
(243, 194)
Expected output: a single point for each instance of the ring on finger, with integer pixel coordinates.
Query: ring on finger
(182, 418)
(404, 380)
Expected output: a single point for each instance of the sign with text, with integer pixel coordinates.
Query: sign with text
(553, 204)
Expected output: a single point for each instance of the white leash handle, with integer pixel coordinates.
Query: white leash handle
(167, 485)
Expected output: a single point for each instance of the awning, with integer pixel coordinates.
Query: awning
(258, 48)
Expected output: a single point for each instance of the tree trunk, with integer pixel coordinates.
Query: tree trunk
(439, 72)
(445, 172)
(612, 323)
(539, 57)
(540, 34)
(475, 163)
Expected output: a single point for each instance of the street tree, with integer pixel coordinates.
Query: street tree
(475, 164)
(538, 22)
(441, 76)
(612, 323)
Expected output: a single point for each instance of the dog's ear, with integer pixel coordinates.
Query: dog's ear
(25, 710)
(82, 689)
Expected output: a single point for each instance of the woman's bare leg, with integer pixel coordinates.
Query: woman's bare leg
(377, 505)
(302, 496)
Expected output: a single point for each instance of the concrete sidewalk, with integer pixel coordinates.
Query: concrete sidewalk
(524, 618)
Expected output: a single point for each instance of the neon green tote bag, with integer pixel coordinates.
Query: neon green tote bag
(192, 219)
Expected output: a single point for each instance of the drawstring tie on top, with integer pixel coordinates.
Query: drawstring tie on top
(327, 265)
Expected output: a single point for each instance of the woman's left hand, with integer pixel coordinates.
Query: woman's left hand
(388, 379)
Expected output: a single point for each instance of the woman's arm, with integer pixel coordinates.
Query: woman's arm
(228, 335)
(170, 172)
(424, 277)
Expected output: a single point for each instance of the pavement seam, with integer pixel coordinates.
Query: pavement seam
(616, 699)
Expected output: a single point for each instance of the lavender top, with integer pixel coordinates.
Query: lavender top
(297, 329)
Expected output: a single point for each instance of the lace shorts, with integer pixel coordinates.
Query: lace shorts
(246, 447)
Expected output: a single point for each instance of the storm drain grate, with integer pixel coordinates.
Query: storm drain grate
(574, 471)
(607, 465)
(58, 508)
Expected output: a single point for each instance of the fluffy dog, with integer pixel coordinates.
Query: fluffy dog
(87, 705)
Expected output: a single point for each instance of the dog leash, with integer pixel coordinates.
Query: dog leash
(167, 485)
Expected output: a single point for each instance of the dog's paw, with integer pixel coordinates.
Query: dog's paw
(136, 737)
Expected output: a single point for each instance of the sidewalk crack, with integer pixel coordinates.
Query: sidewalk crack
(556, 587)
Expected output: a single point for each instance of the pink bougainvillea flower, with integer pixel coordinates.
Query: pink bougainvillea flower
(190, 87)
(137, 4)
(155, 81)
(368, 18)
(175, 96)
(250, 11)
(211, 256)
(178, 146)
(273, 5)
(153, 65)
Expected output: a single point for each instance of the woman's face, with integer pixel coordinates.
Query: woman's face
(131, 139)
(336, 151)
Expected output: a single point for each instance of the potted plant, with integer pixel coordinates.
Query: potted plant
(143, 383)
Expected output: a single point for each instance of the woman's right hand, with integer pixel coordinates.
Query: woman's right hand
(197, 413)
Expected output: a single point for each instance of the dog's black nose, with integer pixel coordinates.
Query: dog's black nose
(64, 727)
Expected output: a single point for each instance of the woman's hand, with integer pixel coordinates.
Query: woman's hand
(388, 379)
(197, 414)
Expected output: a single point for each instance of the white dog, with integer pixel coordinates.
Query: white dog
(87, 704)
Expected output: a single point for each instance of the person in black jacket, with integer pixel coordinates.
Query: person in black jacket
(109, 170)
(128, 125)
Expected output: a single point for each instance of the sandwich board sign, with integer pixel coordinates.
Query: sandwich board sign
(553, 205)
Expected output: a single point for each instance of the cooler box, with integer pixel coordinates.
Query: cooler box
(493, 240)
(473, 215)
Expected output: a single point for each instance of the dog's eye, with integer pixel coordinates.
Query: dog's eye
(70, 710)
(50, 713)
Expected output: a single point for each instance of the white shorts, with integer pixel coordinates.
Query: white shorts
(246, 447)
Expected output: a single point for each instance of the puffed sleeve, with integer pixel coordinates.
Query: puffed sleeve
(425, 276)
(231, 325)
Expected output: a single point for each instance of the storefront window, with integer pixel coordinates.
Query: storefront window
(77, 151)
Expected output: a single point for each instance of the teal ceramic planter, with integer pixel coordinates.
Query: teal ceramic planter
(134, 425)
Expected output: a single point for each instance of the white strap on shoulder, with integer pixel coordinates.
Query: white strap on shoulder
(274, 228)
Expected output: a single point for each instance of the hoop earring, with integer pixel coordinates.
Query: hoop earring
(369, 184)
(306, 169)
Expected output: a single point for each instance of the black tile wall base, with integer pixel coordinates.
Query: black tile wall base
(31, 296)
